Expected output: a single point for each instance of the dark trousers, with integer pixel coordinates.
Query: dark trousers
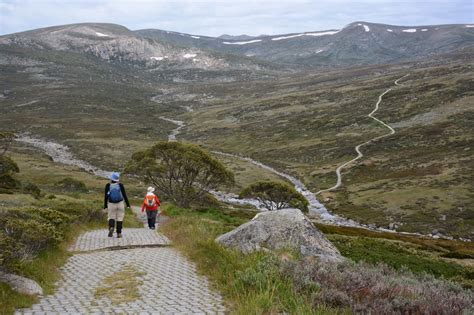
(151, 217)
(119, 225)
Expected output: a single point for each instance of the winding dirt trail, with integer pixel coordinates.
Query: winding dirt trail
(357, 148)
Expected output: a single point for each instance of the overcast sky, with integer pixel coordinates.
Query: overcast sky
(206, 17)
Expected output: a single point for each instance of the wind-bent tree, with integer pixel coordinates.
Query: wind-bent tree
(182, 172)
(274, 196)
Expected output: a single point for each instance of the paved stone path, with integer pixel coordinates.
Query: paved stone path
(170, 284)
(97, 239)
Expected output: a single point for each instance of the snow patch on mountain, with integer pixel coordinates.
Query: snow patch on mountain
(187, 56)
(389, 30)
(306, 34)
(469, 25)
(410, 30)
(319, 51)
(424, 30)
(197, 37)
(158, 58)
(101, 34)
(243, 43)
(366, 27)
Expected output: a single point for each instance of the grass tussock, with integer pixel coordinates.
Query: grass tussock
(11, 299)
(121, 287)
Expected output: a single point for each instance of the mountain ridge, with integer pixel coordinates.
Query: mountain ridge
(357, 43)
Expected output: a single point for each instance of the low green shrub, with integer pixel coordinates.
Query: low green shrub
(32, 189)
(24, 236)
(7, 168)
(379, 289)
(7, 182)
(70, 184)
(25, 233)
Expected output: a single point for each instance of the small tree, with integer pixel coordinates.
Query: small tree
(274, 196)
(181, 172)
(7, 166)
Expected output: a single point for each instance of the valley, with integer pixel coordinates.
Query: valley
(104, 100)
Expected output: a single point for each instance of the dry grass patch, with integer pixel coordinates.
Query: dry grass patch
(122, 286)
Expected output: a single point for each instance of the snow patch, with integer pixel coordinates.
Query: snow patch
(159, 58)
(410, 30)
(243, 43)
(366, 28)
(101, 34)
(424, 30)
(319, 51)
(469, 25)
(197, 37)
(306, 34)
(322, 33)
(187, 56)
(389, 30)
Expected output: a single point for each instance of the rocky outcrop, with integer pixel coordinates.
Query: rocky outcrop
(21, 284)
(287, 228)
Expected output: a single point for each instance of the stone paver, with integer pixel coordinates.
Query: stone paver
(97, 239)
(170, 284)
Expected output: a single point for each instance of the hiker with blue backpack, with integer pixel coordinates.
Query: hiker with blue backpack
(114, 203)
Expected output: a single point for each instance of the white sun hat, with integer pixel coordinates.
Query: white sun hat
(150, 189)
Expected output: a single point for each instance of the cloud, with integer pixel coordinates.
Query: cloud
(207, 17)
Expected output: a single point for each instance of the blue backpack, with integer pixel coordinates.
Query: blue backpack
(115, 194)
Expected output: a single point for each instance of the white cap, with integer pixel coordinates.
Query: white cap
(150, 189)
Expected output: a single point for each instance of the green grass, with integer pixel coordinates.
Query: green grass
(443, 246)
(251, 284)
(9, 299)
(417, 254)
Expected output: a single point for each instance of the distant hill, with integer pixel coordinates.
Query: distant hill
(235, 37)
(116, 43)
(358, 43)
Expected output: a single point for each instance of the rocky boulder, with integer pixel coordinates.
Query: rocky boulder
(287, 228)
(21, 284)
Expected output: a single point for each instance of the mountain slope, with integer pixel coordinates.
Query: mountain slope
(116, 43)
(357, 43)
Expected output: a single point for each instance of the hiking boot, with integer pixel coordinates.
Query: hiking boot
(119, 235)
(111, 231)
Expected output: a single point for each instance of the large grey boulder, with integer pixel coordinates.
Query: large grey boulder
(21, 284)
(286, 228)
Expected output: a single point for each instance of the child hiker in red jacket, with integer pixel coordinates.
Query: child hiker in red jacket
(151, 204)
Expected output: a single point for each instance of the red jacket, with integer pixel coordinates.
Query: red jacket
(145, 203)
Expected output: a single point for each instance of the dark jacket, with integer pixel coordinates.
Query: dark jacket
(106, 196)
